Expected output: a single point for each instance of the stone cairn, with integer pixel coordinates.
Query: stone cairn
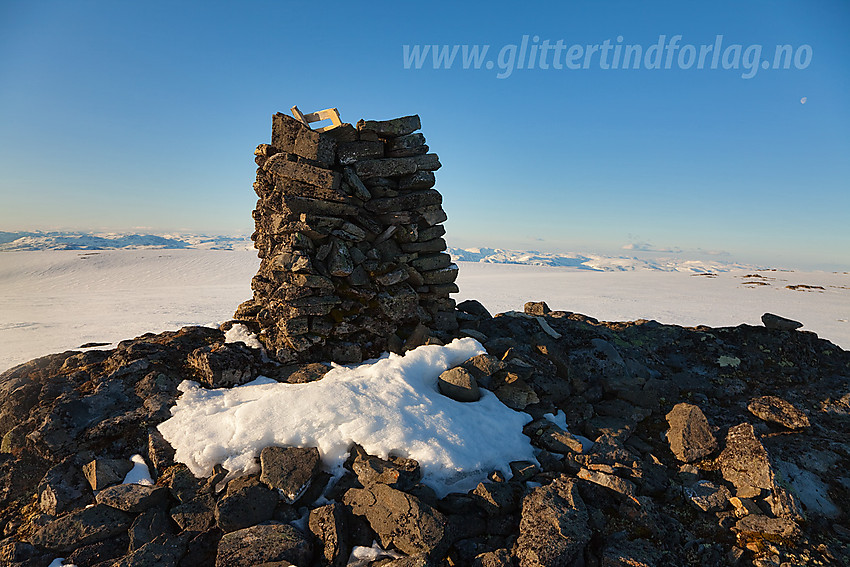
(348, 227)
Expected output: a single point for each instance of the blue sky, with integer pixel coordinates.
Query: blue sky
(144, 116)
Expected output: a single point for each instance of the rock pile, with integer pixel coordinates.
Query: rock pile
(348, 226)
(672, 457)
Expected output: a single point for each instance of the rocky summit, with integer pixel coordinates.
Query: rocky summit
(654, 445)
(683, 446)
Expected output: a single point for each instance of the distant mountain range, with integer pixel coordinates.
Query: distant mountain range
(60, 240)
(593, 262)
(63, 240)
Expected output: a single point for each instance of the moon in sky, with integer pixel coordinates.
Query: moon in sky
(803, 100)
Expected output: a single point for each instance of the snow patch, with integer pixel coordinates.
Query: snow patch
(362, 556)
(389, 406)
(139, 474)
(240, 333)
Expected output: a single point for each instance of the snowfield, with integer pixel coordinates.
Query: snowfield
(56, 300)
(393, 402)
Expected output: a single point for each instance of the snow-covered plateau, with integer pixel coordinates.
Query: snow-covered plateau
(55, 300)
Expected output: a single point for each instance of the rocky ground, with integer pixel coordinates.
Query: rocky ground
(710, 446)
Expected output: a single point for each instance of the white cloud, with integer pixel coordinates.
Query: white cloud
(647, 247)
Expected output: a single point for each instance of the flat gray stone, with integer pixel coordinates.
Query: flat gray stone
(458, 384)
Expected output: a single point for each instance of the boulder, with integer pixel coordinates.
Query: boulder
(289, 470)
(264, 543)
(224, 366)
(745, 463)
(537, 308)
(196, 515)
(497, 498)
(707, 496)
(247, 502)
(82, 527)
(391, 128)
(133, 498)
(63, 488)
(553, 528)
(690, 435)
(778, 323)
(165, 551)
(102, 472)
(148, 526)
(397, 472)
(399, 519)
(458, 384)
(776, 410)
(328, 523)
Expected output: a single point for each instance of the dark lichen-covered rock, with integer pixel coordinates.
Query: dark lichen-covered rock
(289, 470)
(247, 502)
(553, 530)
(399, 519)
(330, 526)
(133, 498)
(85, 526)
(264, 543)
(745, 462)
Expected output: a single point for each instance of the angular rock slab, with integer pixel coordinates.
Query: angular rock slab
(264, 543)
(690, 435)
(399, 473)
(290, 470)
(553, 529)
(778, 323)
(392, 128)
(745, 462)
(399, 519)
(328, 524)
(85, 526)
(458, 384)
(776, 410)
(708, 496)
(102, 472)
(246, 503)
(133, 498)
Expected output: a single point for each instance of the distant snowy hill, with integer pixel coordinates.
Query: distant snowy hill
(592, 261)
(19, 241)
(62, 240)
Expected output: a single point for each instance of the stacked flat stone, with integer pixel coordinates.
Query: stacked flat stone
(348, 227)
